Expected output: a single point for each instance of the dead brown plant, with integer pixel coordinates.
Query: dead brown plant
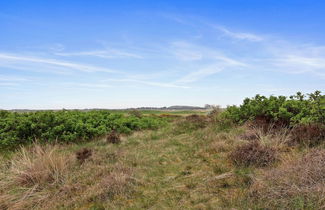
(113, 137)
(253, 154)
(308, 134)
(83, 154)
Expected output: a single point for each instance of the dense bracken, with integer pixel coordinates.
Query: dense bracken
(67, 126)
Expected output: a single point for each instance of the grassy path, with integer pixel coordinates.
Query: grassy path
(175, 169)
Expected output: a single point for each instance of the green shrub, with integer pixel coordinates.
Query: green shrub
(280, 110)
(67, 126)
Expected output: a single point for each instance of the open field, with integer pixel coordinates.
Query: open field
(178, 161)
(162, 104)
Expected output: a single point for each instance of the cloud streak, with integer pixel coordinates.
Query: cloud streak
(206, 61)
(12, 78)
(150, 83)
(109, 54)
(10, 60)
(200, 74)
(8, 84)
(240, 35)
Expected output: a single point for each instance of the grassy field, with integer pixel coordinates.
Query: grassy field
(164, 168)
(186, 164)
(175, 167)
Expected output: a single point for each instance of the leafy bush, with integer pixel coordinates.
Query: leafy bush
(280, 110)
(253, 154)
(67, 126)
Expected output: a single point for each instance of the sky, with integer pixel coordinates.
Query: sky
(58, 54)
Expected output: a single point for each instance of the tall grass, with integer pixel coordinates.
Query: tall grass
(29, 173)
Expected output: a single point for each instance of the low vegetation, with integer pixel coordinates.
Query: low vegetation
(253, 154)
(268, 153)
(308, 134)
(68, 126)
(298, 183)
(281, 111)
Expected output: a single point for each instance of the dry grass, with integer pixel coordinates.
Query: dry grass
(219, 146)
(41, 177)
(118, 182)
(250, 135)
(308, 135)
(278, 138)
(297, 183)
(281, 136)
(38, 166)
(101, 180)
(253, 154)
(29, 173)
(215, 112)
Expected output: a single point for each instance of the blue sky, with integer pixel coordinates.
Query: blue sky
(118, 54)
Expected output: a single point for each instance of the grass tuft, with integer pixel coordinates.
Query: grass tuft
(253, 154)
(31, 172)
(38, 166)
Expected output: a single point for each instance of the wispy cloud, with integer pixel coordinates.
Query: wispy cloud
(300, 65)
(206, 61)
(110, 54)
(263, 53)
(57, 47)
(227, 61)
(8, 84)
(17, 61)
(185, 51)
(12, 78)
(200, 74)
(150, 83)
(301, 62)
(175, 18)
(87, 85)
(294, 58)
(239, 35)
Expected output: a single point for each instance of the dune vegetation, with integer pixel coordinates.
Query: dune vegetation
(268, 153)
